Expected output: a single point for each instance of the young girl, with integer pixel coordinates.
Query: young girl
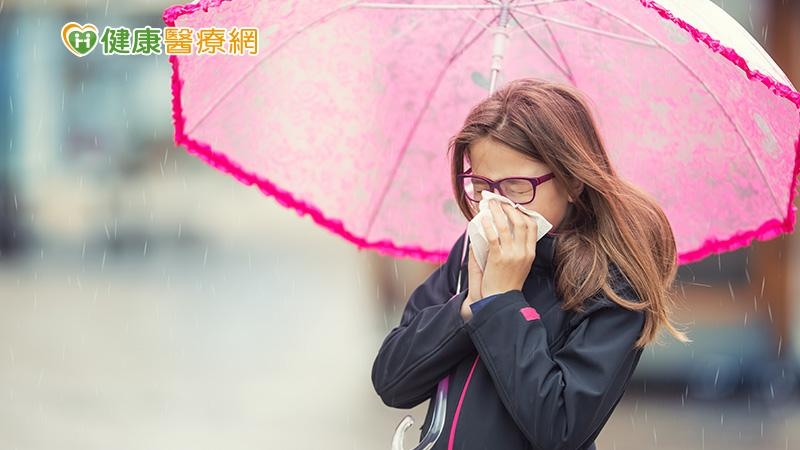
(542, 344)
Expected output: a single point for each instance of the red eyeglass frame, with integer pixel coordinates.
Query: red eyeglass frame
(535, 181)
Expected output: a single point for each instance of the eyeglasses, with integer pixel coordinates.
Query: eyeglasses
(521, 190)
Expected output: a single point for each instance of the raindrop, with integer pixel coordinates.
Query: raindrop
(703, 436)
(144, 253)
(180, 227)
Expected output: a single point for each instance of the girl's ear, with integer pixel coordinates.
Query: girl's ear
(578, 187)
(575, 185)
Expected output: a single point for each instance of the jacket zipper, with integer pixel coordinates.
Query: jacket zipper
(458, 407)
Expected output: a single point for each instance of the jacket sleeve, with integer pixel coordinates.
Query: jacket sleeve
(557, 400)
(429, 340)
(482, 302)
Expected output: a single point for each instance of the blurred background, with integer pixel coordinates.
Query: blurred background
(152, 302)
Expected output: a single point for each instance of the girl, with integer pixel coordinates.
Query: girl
(542, 344)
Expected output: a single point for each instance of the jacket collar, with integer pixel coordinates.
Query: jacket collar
(545, 252)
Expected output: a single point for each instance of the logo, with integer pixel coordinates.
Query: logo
(82, 39)
(79, 39)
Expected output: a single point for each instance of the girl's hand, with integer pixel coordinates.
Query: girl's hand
(510, 257)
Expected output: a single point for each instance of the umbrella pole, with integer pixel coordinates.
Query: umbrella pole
(500, 34)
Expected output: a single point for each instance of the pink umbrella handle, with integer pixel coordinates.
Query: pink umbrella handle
(439, 401)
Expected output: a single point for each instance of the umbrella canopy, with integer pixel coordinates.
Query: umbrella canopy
(346, 111)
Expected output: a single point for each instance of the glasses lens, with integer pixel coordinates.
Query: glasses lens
(518, 191)
(473, 188)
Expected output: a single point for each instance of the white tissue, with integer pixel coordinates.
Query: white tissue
(475, 230)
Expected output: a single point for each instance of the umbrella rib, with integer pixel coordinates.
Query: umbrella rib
(441, 6)
(277, 47)
(565, 70)
(560, 52)
(588, 29)
(539, 2)
(707, 89)
(459, 49)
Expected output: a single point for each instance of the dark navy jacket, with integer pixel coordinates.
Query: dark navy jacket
(525, 374)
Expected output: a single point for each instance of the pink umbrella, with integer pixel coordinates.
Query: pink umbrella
(346, 111)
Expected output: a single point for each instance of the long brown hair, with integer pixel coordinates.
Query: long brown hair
(610, 221)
